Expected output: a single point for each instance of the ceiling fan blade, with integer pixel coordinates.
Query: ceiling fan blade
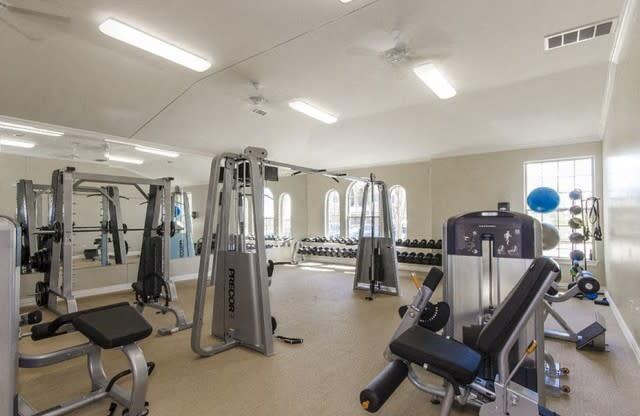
(35, 13)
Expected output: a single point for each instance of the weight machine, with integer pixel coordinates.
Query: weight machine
(31, 214)
(237, 269)
(153, 288)
(112, 327)
(377, 264)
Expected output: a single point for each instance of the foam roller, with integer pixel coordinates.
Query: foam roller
(383, 385)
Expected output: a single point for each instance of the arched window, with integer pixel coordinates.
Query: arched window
(355, 193)
(332, 214)
(285, 215)
(269, 213)
(398, 202)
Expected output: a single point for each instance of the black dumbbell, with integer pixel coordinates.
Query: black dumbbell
(438, 244)
(428, 258)
(415, 243)
(431, 244)
(399, 242)
(406, 243)
(422, 244)
(437, 259)
(420, 258)
(412, 257)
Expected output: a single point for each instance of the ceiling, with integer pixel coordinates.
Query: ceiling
(511, 93)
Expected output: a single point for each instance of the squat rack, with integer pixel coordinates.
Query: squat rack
(63, 185)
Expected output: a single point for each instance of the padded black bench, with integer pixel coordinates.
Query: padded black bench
(445, 357)
(109, 327)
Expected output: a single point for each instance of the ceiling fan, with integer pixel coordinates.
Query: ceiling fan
(22, 20)
(257, 102)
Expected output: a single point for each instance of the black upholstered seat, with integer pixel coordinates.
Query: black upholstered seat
(443, 356)
(112, 327)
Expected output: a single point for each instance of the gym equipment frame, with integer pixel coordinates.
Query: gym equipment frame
(59, 285)
(459, 365)
(30, 213)
(485, 253)
(120, 334)
(377, 264)
(241, 304)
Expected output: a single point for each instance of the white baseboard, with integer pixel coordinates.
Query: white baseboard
(633, 343)
(106, 290)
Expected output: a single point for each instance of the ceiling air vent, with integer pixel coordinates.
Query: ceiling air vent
(579, 34)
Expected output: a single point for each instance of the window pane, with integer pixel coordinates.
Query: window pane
(269, 212)
(332, 214)
(398, 202)
(285, 215)
(563, 176)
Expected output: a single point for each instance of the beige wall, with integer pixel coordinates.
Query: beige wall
(621, 150)
(441, 188)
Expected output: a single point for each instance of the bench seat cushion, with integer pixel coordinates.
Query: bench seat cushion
(424, 347)
(113, 327)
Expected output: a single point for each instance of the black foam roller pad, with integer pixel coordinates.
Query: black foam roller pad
(383, 385)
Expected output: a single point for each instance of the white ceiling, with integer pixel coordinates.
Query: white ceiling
(511, 93)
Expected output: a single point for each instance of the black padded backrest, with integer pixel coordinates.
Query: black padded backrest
(506, 317)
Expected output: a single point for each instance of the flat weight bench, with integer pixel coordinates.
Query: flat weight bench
(459, 364)
(107, 327)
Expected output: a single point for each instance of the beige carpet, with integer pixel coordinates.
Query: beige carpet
(344, 335)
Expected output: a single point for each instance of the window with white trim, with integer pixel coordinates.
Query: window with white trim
(355, 194)
(563, 175)
(269, 212)
(398, 203)
(285, 215)
(332, 214)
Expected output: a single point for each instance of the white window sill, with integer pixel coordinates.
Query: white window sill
(563, 261)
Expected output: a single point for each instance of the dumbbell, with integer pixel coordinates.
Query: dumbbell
(399, 242)
(423, 243)
(437, 259)
(420, 258)
(406, 243)
(438, 244)
(403, 257)
(412, 257)
(431, 244)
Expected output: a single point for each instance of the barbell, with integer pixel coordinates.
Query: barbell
(57, 229)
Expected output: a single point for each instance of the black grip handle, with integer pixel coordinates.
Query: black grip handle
(433, 278)
(383, 385)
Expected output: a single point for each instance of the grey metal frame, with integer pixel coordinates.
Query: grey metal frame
(237, 274)
(508, 398)
(11, 403)
(64, 184)
(382, 245)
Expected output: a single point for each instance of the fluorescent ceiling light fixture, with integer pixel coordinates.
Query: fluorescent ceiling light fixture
(17, 143)
(160, 152)
(139, 39)
(434, 79)
(312, 111)
(29, 129)
(345, 1)
(123, 159)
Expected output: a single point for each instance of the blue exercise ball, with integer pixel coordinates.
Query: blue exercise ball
(543, 200)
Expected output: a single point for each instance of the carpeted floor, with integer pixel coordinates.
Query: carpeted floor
(344, 338)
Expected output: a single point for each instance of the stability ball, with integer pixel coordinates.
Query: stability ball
(550, 236)
(543, 199)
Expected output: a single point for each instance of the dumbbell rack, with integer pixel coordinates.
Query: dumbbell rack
(279, 247)
(404, 266)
